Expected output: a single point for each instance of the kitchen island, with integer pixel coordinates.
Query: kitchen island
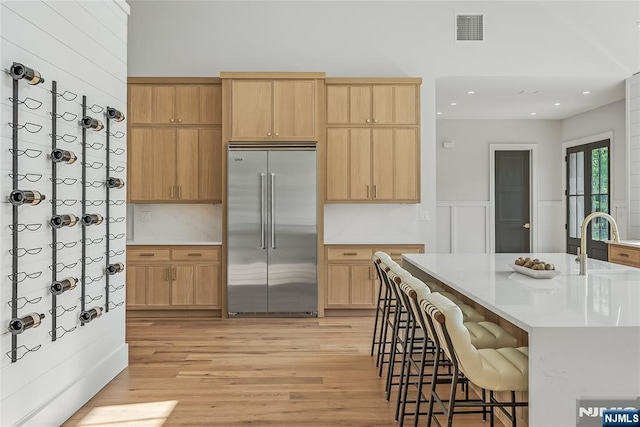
(583, 331)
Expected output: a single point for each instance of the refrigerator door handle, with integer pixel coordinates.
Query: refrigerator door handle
(273, 210)
(262, 208)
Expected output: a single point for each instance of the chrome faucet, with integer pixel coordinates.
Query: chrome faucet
(582, 256)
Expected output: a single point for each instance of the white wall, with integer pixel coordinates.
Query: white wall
(633, 153)
(463, 181)
(83, 46)
(362, 38)
(609, 118)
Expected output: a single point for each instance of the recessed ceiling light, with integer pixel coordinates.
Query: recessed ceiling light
(533, 114)
(453, 104)
(556, 104)
(471, 92)
(586, 92)
(439, 112)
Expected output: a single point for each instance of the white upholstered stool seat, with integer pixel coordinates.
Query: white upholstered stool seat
(489, 335)
(503, 369)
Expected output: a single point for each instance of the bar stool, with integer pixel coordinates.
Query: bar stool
(495, 370)
(482, 334)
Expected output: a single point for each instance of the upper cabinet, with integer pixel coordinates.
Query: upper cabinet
(272, 106)
(370, 102)
(175, 104)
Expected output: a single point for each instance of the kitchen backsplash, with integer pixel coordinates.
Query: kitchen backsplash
(166, 222)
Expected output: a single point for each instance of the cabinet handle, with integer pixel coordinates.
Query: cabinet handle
(147, 254)
(166, 274)
(368, 120)
(172, 190)
(375, 121)
(171, 120)
(195, 254)
(179, 191)
(276, 133)
(622, 254)
(375, 191)
(370, 275)
(367, 191)
(350, 253)
(175, 273)
(179, 120)
(268, 133)
(395, 253)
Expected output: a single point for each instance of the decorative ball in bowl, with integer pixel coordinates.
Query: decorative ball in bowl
(535, 268)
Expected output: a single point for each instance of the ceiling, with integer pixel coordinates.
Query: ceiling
(519, 97)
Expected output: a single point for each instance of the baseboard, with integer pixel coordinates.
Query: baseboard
(169, 313)
(66, 403)
(349, 312)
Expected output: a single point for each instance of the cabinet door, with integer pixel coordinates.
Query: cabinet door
(159, 285)
(251, 109)
(140, 104)
(337, 284)
(406, 158)
(360, 164)
(211, 104)
(337, 164)
(136, 285)
(360, 105)
(187, 104)
(210, 165)
(383, 104)
(140, 176)
(152, 151)
(362, 285)
(405, 105)
(294, 109)
(383, 164)
(207, 285)
(187, 151)
(182, 284)
(337, 105)
(163, 165)
(164, 98)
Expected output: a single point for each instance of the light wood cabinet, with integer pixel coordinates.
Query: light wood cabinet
(180, 104)
(189, 278)
(175, 164)
(381, 103)
(625, 255)
(352, 281)
(378, 165)
(268, 110)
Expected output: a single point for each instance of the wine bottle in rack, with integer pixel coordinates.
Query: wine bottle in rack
(19, 71)
(92, 219)
(19, 325)
(61, 286)
(115, 268)
(115, 182)
(25, 197)
(65, 220)
(63, 156)
(88, 315)
(114, 114)
(88, 122)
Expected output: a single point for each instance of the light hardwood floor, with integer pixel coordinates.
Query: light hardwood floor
(233, 372)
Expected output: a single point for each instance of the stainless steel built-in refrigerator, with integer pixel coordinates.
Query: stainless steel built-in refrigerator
(272, 230)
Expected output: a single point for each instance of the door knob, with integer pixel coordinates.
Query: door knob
(527, 226)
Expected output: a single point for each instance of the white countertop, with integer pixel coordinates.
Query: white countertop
(608, 296)
(631, 243)
(170, 243)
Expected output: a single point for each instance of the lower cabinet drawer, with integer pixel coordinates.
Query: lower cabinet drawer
(396, 253)
(349, 254)
(624, 255)
(140, 254)
(195, 255)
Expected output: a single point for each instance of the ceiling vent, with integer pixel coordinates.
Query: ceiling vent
(469, 27)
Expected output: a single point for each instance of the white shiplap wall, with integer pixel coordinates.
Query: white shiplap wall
(83, 46)
(633, 138)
